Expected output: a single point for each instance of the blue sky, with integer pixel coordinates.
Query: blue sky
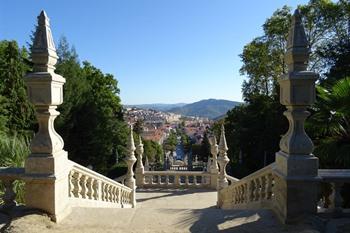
(160, 51)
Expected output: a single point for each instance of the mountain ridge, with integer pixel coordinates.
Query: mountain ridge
(210, 108)
(156, 106)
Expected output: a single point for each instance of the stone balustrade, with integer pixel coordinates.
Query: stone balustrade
(253, 191)
(193, 167)
(91, 189)
(8, 176)
(331, 187)
(176, 179)
(178, 168)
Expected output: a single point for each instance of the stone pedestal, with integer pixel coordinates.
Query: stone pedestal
(47, 190)
(297, 186)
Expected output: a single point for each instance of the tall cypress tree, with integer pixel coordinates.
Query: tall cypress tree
(15, 104)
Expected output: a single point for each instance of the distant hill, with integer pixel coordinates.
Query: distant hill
(157, 106)
(210, 108)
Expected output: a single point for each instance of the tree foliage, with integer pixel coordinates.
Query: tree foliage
(16, 111)
(92, 124)
(255, 127)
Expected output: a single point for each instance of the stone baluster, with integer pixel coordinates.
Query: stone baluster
(263, 187)
(114, 196)
(140, 170)
(47, 160)
(107, 194)
(79, 185)
(246, 192)
(71, 183)
(84, 189)
(130, 161)
(186, 180)
(251, 190)
(222, 160)
(257, 189)
(167, 180)
(102, 191)
(118, 195)
(336, 199)
(195, 182)
(242, 194)
(177, 180)
(9, 195)
(295, 161)
(268, 186)
(89, 188)
(96, 193)
(111, 194)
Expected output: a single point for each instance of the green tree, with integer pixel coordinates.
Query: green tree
(15, 106)
(255, 129)
(138, 126)
(171, 142)
(330, 125)
(91, 121)
(153, 151)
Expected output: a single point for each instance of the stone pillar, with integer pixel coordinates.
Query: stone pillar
(214, 168)
(296, 166)
(222, 160)
(130, 160)
(46, 168)
(140, 171)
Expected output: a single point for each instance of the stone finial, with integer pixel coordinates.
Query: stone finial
(44, 54)
(222, 144)
(140, 170)
(214, 150)
(45, 89)
(223, 159)
(297, 54)
(139, 152)
(130, 160)
(47, 160)
(296, 165)
(131, 144)
(297, 90)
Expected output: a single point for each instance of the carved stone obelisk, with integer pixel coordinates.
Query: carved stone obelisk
(46, 167)
(296, 166)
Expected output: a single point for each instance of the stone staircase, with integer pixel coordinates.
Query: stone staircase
(159, 210)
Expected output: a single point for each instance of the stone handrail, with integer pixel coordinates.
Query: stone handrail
(231, 179)
(176, 179)
(7, 176)
(331, 186)
(88, 189)
(253, 191)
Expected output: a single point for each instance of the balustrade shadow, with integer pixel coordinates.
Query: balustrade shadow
(212, 219)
